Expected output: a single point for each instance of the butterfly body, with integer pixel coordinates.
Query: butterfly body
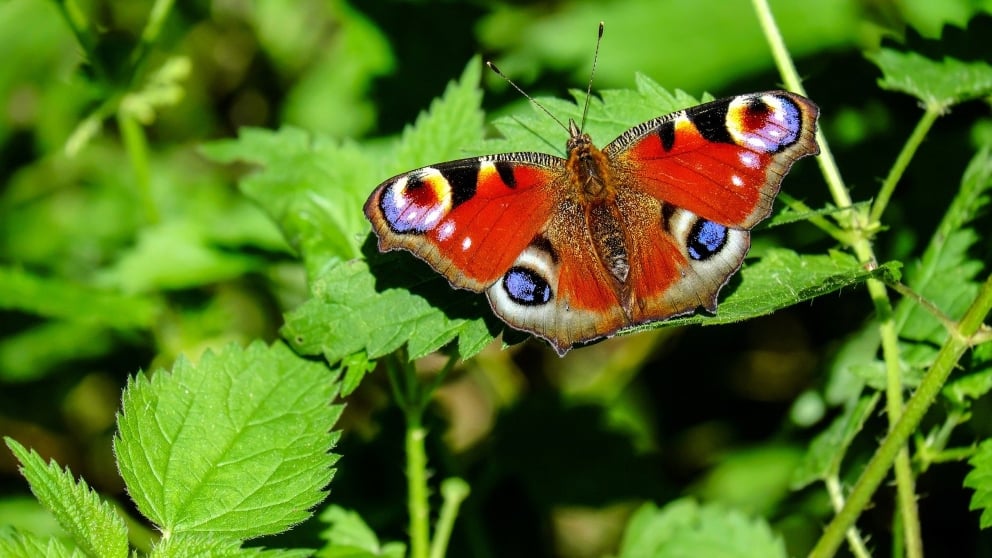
(575, 249)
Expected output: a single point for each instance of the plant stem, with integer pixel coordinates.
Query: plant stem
(859, 223)
(136, 146)
(854, 539)
(951, 351)
(454, 491)
(416, 474)
(905, 483)
(902, 160)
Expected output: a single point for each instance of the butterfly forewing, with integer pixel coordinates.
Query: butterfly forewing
(469, 219)
(722, 160)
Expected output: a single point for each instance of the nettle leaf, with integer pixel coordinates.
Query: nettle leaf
(212, 545)
(400, 301)
(684, 529)
(313, 188)
(237, 444)
(22, 544)
(980, 479)
(348, 536)
(977, 383)
(782, 278)
(948, 273)
(944, 72)
(93, 524)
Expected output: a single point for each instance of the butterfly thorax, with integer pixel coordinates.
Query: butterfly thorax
(592, 182)
(588, 167)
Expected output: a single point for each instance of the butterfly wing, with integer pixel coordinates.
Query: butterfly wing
(469, 219)
(699, 179)
(723, 161)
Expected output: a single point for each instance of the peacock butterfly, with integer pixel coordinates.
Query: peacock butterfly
(572, 250)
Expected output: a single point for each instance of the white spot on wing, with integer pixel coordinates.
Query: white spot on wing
(757, 142)
(444, 233)
(433, 216)
(467, 243)
(737, 181)
(749, 160)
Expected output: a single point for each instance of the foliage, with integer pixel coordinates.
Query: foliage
(182, 194)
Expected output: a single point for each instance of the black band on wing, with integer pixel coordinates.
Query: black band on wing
(666, 133)
(712, 121)
(505, 171)
(462, 180)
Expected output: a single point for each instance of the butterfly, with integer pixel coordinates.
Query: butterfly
(575, 249)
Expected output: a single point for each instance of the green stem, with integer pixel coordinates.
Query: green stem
(854, 539)
(902, 161)
(905, 482)
(859, 223)
(416, 474)
(136, 146)
(454, 491)
(875, 472)
(149, 36)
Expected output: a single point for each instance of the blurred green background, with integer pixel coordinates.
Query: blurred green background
(145, 250)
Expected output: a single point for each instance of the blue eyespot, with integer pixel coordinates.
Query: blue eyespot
(705, 239)
(526, 287)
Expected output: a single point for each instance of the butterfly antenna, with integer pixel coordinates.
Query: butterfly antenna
(595, 58)
(524, 93)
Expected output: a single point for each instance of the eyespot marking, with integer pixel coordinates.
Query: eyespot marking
(766, 123)
(526, 287)
(706, 239)
(416, 203)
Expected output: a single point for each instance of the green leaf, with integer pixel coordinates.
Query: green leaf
(980, 479)
(782, 278)
(93, 524)
(936, 74)
(35, 352)
(212, 545)
(176, 255)
(313, 188)
(827, 450)
(348, 536)
(20, 544)
(948, 273)
(353, 311)
(968, 388)
(58, 298)
(684, 529)
(236, 444)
